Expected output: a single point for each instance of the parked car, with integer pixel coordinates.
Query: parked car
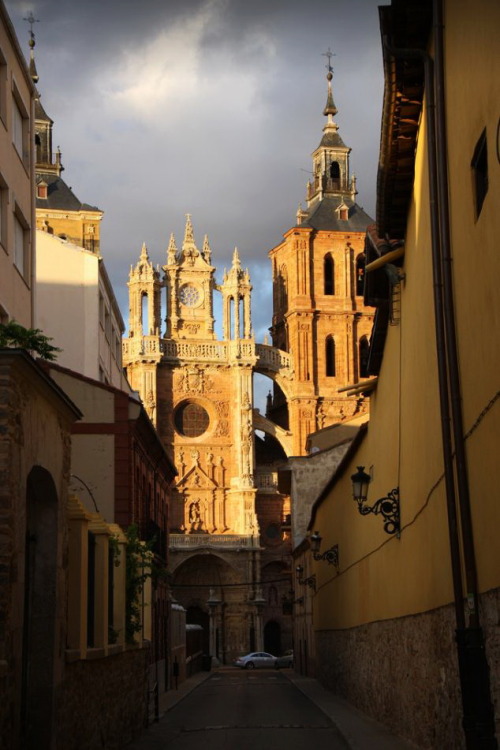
(256, 660)
(285, 661)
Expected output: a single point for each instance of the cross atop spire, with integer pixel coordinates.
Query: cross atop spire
(330, 110)
(329, 54)
(32, 67)
(31, 20)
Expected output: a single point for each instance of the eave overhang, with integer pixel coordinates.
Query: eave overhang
(406, 24)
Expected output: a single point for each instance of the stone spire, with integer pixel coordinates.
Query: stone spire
(236, 287)
(171, 251)
(32, 66)
(330, 109)
(189, 249)
(207, 252)
(330, 159)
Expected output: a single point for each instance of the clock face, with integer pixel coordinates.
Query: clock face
(189, 295)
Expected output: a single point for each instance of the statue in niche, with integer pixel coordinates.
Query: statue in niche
(150, 405)
(194, 518)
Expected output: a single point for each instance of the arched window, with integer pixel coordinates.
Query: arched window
(335, 170)
(329, 274)
(360, 275)
(364, 348)
(330, 357)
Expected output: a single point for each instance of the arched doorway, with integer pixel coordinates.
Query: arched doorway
(40, 610)
(272, 637)
(214, 595)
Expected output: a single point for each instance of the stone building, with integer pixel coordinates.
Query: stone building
(198, 391)
(230, 524)
(58, 210)
(318, 311)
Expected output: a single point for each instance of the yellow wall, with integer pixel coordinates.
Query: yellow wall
(384, 577)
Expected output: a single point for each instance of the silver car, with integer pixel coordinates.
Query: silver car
(256, 660)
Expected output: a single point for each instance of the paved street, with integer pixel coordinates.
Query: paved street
(240, 709)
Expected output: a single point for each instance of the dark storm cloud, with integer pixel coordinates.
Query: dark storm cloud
(210, 107)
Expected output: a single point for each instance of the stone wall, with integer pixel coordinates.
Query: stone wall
(404, 672)
(103, 703)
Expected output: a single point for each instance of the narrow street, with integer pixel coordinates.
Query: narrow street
(241, 709)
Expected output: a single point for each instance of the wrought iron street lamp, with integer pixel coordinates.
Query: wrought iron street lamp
(387, 507)
(310, 581)
(331, 556)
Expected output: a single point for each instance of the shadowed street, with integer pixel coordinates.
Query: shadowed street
(240, 709)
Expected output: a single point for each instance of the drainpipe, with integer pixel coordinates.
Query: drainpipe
(478, 715)
(479, 718)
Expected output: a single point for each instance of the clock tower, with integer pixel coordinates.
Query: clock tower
(189, 281)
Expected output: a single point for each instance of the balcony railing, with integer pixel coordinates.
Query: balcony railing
(221, 541)
(271, 358)
(266, 480)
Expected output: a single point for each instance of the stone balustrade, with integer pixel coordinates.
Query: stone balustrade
(225, 541)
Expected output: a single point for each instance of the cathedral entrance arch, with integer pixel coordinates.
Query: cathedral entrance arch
(212, 590)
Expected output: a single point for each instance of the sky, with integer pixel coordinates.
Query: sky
(207, 107)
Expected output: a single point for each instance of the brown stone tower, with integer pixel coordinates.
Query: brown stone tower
(318, 312)
(198, 391)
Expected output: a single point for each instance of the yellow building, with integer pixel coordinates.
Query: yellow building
(411, 586)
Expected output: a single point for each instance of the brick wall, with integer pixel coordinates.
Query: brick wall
(102, 703)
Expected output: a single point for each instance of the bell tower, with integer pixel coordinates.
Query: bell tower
(318, 311)
(143, 349)
(236, 290)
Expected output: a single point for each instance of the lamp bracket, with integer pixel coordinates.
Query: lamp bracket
(387, 507)
(309, 581)
(330, 555)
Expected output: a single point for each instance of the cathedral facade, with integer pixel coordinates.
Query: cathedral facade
(230, 525)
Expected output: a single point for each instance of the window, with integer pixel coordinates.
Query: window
(360, 275)
(479, 166)
(20, 122)
(3, 88)
(42, 190)
(330, 357)
(335, 174)
(107, 324)
(191, 419)
(101, 310)
(4, 198)
(364, 349)
(21, 243)
(334, 170)
(329, 274)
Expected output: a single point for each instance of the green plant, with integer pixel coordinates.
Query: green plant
(140, 566)
(14, 335)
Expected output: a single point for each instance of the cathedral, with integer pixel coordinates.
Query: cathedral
(230, 543)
